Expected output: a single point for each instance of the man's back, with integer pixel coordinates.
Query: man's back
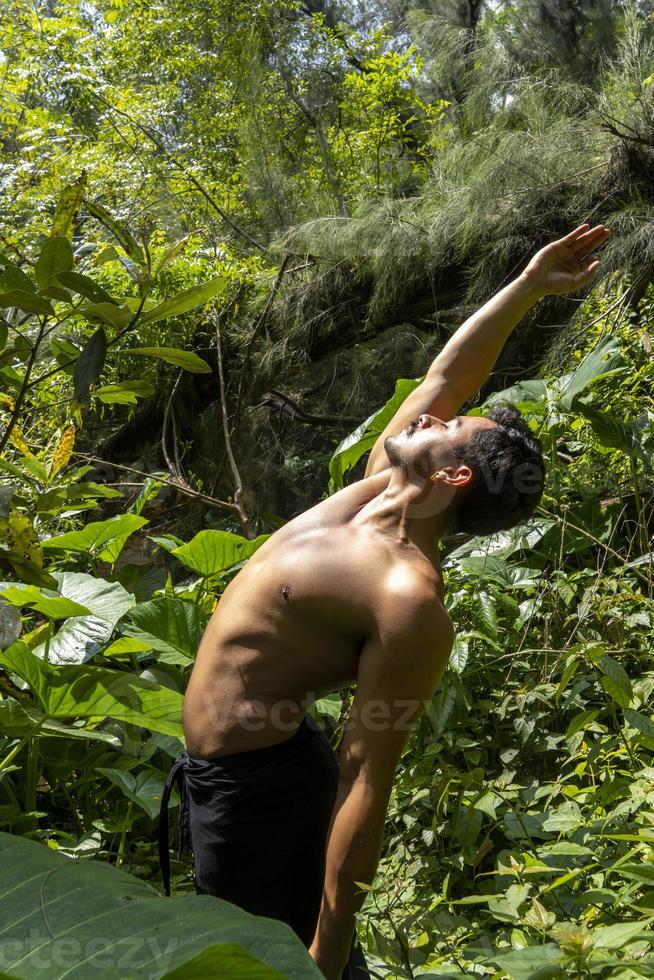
(291, 625)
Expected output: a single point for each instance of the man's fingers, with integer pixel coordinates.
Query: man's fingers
(590, 265)
(589, 240)
(573, 236)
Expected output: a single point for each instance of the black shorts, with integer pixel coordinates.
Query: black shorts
(257, 823)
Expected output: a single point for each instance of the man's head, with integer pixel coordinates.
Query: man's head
(489, 471)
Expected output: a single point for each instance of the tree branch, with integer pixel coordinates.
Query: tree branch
(246, 525)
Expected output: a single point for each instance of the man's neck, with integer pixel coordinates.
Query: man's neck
(411, 511)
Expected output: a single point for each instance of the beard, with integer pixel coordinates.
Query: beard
(394, 450)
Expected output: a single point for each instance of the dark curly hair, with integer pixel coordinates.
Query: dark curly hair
(507, 476)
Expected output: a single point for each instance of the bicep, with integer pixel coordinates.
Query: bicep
(434, 396)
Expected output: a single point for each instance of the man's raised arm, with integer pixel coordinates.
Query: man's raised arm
(470, 354)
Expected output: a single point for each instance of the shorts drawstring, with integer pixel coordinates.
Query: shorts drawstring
(175, 777)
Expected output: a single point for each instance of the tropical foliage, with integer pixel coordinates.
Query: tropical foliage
(229, 229)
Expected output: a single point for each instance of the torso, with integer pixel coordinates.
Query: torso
(290, 626)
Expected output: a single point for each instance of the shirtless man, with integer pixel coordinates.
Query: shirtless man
(352, 592)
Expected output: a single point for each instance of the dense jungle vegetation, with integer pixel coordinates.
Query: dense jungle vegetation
(228, 229)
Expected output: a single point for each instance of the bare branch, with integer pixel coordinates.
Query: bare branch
(246, 524)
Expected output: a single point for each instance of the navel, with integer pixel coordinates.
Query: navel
(285, 592)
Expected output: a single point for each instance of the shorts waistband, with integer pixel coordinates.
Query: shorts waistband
(265, 753)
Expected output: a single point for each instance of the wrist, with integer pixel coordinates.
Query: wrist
(529, 287)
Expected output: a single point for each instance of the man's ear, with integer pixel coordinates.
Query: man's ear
(453, 476)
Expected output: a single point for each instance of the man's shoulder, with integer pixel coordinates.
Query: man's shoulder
(410, 601)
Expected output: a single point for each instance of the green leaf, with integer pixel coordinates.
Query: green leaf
(80, 638)
(614, 937)
(190, 299)
(581, 721)
(603, 360)
(69, 203)
(183, 358)
(90, 363)
(104, 923)
(17, 720)
(64, 353)
(98, 536)
(13, 277)
(86, 691)
(57, 293)
(172, 252)
(353, 447)
(564, 819)
(542, 961)
(44, 601)
(459, 654)
(524, 395)
(218, 962)
(126, 645)
(122, 234)
(213, 552)
(56, 256)
(85, 286)
(172, 627)
(616, 681)
(143, 788)
(488, 613)
(639, 721)
(107, 313)
(124, 392)
(610, 430)
(27, 302)
(637, 872)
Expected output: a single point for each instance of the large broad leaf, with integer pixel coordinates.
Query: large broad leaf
(524, 537)
(143, 788)
(526, 396)
(190, 299)
(170, 626)
(13, 277)
(544, 960)
(82, 637)
(98, 537)
(604, 359)
(56, 256)
(212, 552)
(89, 364)
(18, 720)
(27, 302)
(108, 313)
(85, 287)
(354, 446)
(182, 358)
(108, 924)
(44, 601)
(96, 692)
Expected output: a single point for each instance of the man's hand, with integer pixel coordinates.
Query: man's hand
(470, 354)
(567, 264)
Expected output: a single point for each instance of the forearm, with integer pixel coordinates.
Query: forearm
(469, 356)
(352, 855)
